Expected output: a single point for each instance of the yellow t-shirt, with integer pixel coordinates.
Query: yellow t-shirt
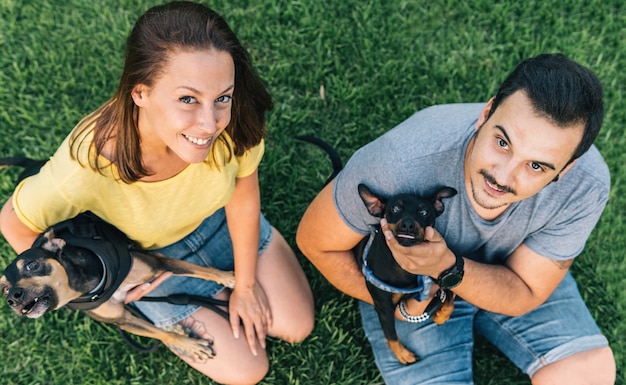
(154, 214)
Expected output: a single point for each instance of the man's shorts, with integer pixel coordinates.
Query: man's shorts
(559, 328)
(208, 245)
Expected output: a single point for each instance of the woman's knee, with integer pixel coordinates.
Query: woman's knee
(299, 329)
(233, 362)
(235, 372)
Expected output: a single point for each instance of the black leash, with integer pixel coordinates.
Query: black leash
(176, 299)
(187, 299)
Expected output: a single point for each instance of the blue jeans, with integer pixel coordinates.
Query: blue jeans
(208, 245)
(560, 327)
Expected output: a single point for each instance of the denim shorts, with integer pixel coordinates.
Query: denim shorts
(208, 245)
(560, 327)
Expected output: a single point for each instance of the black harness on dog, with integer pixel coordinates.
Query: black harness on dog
(110, 245)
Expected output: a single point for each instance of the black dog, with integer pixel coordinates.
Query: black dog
(408, 215)
(87, 264)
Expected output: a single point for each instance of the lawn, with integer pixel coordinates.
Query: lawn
(344, 70)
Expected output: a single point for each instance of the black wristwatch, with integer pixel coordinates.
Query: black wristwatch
(453, 276)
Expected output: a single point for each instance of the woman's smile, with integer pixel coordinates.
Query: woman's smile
(198, 141)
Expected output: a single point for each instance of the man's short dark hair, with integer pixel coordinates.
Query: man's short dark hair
(561, 89)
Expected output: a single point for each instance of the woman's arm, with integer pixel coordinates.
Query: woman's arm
(17, 234)
(248, 302)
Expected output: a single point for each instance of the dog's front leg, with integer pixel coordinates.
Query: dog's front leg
(384, 303)
(156, 263)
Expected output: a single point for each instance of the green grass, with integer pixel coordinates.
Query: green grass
(378, 62)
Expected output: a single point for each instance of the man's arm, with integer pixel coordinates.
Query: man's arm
(524, 282)
(327, 242)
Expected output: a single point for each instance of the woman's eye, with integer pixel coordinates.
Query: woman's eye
(502, 143)
(224, 99)
(187, 99)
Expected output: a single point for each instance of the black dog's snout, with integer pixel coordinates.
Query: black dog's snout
(15, 296)
(407, 226)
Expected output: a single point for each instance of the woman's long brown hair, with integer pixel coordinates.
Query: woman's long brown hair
(157, 34)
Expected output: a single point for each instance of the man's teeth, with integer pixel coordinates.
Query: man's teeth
(198, 141)
(493, 186)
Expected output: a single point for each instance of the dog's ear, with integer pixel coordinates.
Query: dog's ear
(52, 244)
(374, 203)
(444, 192)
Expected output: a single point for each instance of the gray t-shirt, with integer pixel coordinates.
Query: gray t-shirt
(426, 152)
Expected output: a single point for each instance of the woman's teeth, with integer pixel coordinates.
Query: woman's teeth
(197, 141)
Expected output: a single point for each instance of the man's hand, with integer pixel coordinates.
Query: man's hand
(139, 291)
(430, 257)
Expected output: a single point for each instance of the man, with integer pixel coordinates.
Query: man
(531, 189)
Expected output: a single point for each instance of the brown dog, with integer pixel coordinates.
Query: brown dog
(54, 273)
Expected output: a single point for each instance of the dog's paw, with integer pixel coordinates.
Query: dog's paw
(231, 283)
(404, 355)
(193, 349)
(443, 314)
(228, 279)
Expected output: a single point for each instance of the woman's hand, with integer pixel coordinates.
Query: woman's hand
(248, 304)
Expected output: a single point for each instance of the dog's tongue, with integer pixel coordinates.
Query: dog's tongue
(405, 236)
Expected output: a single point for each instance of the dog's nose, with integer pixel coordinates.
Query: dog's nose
(15, 296)
(407, 226)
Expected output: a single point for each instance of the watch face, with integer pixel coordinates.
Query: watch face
(450, 280)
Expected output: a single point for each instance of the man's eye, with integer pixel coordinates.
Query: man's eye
(502, 143)
(187, 99)
(536, 166)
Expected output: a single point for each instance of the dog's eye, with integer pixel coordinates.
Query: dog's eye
(396, 209)
(32, 265)
(423, 213)
(5, 290)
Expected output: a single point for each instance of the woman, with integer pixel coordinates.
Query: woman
(171, 160)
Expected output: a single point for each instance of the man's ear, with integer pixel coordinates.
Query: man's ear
(484, 114)
(139, 93)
